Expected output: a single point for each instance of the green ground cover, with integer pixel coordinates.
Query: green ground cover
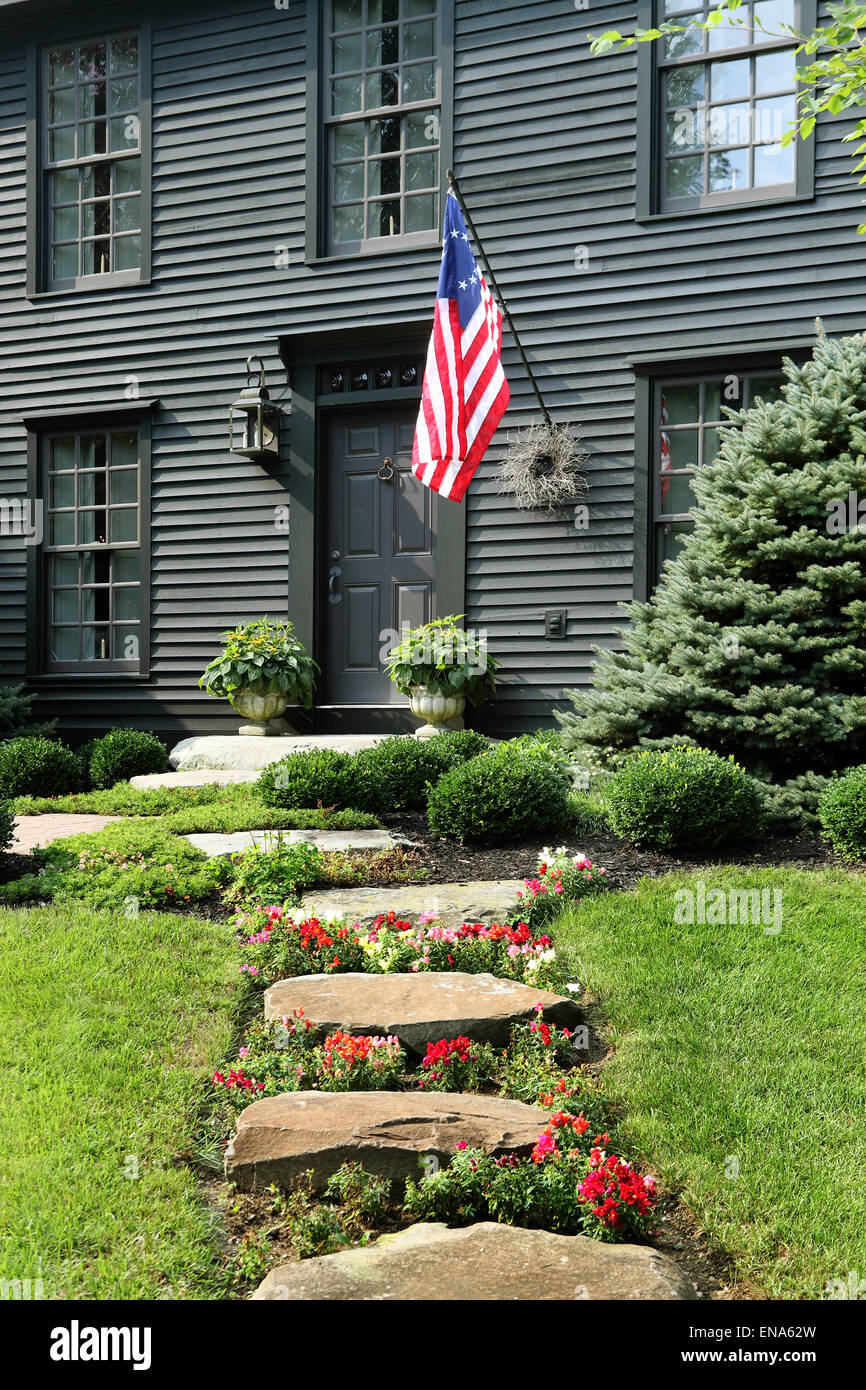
(739, 1062)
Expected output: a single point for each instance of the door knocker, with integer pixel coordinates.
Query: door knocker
(386, 470)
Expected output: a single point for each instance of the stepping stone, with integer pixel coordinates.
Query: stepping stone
(487, 1262)
(31, 831)
(419, 1008)
(386, 1131)
(223, 846)
(224, 752)
(478, 901)
(202, 778)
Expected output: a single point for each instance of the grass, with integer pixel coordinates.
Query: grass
(109, 1028)
(738, 1062)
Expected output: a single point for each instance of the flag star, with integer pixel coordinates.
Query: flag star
(465, 236)
(463, 285)
(473, 280)
(454, 232)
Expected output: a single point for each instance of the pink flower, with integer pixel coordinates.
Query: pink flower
(461, 1144)
(243, 1052)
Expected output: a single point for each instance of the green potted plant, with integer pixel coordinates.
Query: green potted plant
(260, 669)
(440, 666)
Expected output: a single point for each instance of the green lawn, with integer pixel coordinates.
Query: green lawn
(739, 1063)
(109, 1027)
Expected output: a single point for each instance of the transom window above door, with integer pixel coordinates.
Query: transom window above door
(91, 161)
(726, 98)
(382, 122)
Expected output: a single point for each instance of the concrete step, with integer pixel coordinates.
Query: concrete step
(455, 903)
(222, 752)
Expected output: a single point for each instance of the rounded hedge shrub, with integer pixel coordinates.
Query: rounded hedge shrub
(125, 753)
(501, 797)
(396, 774)
(683, 799)
(37, 767)
(309, 778)
(842, 813)
(7, 824)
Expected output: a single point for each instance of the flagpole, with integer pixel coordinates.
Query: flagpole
(455, 189)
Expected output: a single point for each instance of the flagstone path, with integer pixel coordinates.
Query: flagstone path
(479, 901)
(389, 1133)
(418, 1009)
(223, 846)
(482, 1263)
(31, 831)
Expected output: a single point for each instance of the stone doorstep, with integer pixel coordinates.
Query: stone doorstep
(481, 900)
(419, 1008)
(485, 1262)
(223, 846)
(225, 752)
(386, 1131)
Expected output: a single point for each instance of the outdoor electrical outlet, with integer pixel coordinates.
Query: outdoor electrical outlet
(554, 624)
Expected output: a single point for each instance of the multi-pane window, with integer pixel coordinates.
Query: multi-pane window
(92, 557)
(91, 160)
(382, 123)
(727, 97)
(688, 415)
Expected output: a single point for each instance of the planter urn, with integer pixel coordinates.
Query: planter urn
(258, 705)
(436, 709)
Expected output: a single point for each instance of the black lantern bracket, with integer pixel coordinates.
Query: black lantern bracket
(254, 419)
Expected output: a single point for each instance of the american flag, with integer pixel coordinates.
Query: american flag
(667, 462)
(465, 392)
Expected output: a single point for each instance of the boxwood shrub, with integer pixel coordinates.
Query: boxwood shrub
(842, 812)
(37, 767)
(313, 777)
(393, 775)
(500, 797)
(125, 753)
(683, 799)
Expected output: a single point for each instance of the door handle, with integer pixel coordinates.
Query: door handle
(333, 575)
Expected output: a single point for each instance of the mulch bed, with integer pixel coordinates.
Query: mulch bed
(448, 862)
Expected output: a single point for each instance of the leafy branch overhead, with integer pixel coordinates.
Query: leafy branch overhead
(832, 72)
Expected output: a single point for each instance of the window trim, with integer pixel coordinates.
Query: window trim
(38, 281)
(39, 427)
(648, 199)
(650, 373)
(317, 250)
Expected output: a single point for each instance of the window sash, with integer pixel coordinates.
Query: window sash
(706, 57)
(363, 202)
(92, 590)
(128, 240)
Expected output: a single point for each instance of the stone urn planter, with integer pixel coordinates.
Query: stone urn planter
(258, 705)
(436, 709)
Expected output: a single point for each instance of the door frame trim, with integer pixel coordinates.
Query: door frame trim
(303, 355)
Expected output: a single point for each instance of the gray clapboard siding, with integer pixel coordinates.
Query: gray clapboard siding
(544, 144)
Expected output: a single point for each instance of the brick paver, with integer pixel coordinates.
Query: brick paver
(31, 831)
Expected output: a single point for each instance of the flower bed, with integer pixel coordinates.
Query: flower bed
(561, 879)
(278, 942)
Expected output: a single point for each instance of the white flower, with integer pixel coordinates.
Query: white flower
(574, 989)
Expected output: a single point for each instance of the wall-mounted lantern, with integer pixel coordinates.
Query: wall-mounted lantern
(254, 420)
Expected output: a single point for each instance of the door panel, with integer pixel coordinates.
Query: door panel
(380, 561)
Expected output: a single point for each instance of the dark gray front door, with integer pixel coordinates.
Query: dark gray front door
(380, 550)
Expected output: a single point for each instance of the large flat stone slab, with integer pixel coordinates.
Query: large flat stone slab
(386, 1131)
(418, 1008)
(224, 846)
(203, 778)
(482, 1263)
(479, 901)
(226, 752)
